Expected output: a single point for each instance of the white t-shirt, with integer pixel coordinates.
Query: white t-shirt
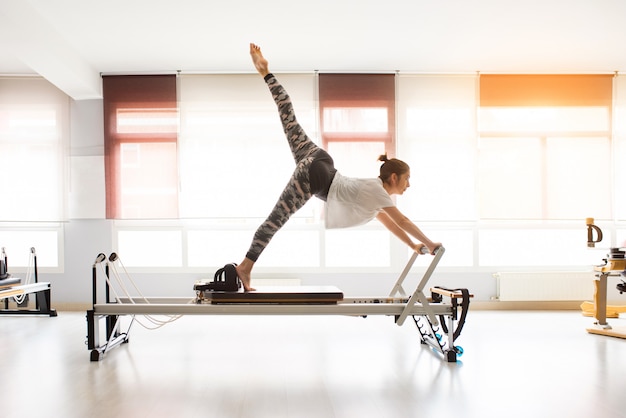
(354, 201)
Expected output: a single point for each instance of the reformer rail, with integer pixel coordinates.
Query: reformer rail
(438, 323)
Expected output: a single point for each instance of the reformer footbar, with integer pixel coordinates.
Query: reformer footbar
(428, 314)
(428, 325)
(418, 295)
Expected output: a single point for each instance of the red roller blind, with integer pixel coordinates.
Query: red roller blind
(359, 91)
(140, 133)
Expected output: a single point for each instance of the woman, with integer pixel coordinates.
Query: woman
(349, 201)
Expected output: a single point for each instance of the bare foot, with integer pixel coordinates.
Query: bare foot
(243, 271)
(260, 63)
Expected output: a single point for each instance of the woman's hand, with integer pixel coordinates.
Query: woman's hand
(418, 248)
(432, 247)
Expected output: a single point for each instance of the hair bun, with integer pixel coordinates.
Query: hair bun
(383, 157)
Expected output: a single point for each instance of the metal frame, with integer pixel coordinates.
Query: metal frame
(426, 312)
(42, 291)
(611, 268)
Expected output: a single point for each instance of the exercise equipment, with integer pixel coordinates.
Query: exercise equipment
(613, 265)
(225, 280)
(439, 324)
(612, 311)
(12, 288)
(591, 228)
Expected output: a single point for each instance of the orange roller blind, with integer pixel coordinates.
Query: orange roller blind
(546, 90)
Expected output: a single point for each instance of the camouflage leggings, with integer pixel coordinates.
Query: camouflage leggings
(298, 190)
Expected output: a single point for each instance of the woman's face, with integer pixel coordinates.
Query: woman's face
(403, 182)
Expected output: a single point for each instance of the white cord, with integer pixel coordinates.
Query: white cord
(156, 322)
(19, 299)
(118, 299)
(130, 279)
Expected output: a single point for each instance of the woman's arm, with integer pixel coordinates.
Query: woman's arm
(401, 226)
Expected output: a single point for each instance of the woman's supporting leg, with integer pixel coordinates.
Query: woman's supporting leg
(293, 198)
(298, 189)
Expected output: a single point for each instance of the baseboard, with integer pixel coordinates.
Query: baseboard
(72, 307)
(525, 305)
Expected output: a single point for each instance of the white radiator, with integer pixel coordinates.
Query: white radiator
(545, 286)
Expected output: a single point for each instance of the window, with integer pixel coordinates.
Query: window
(141, 129)
(34, 136)
(34, 132)
(437, 138)
(233, 164)
(358, 120)
(234, 157)
(620, 150)
(545, 147)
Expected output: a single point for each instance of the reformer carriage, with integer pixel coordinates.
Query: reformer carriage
(439, 323)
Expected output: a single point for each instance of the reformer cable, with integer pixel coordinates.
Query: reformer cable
(118, 299)
(156, 322)
(20, 299)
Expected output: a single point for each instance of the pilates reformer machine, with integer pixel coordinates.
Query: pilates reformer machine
(12, 288)
(439, 324)
(614, 265)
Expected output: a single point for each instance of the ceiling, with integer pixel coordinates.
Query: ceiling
(71, 42)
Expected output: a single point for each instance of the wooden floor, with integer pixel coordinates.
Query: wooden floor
(515, 364)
